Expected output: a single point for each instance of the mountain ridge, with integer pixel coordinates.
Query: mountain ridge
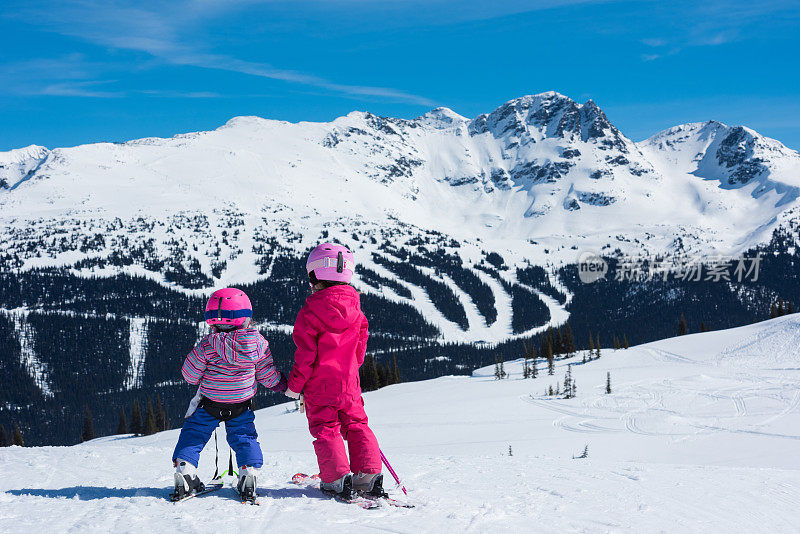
(535, 179)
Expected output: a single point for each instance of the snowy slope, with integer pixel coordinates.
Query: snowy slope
(699, 435)
(539, 167)
(17, 165)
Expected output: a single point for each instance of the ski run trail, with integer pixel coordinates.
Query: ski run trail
(701, 433)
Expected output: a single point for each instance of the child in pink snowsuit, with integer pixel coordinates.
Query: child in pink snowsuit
(331, 338)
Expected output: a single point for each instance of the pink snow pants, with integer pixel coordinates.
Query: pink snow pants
(345, 419)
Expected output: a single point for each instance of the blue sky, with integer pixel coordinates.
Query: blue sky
(74, 72)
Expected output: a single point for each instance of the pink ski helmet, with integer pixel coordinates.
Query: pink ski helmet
(229, 306)
(330, 262)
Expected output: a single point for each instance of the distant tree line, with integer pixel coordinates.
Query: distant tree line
(375, 375)
(648, 310)
(14, 439)
(780, 308)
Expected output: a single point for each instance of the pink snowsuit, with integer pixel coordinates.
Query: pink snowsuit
(331, 338)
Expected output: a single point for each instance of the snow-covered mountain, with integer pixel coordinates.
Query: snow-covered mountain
(735, 157)
(699, 434)
(541, 168)
(18, 164)
(536, 181)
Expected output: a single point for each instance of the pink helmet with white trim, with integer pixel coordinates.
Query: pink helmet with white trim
(330, 262)
(228, 307)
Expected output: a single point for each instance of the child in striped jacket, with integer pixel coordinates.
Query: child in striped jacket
(227, 365)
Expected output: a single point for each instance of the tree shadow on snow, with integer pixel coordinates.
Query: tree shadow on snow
(90, 493)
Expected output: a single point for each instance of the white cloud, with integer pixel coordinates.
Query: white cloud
(84, 89)
(157, 31)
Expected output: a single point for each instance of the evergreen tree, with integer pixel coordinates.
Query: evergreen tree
(496, 369)
(569, 340)
(137, 426)
(548, 354)
(383, 376)
(395, 370)
(526, 371)
(597, 347)
(88, 427)
(789, 308)
(150, 420)
(558, 346)
(510, 453)
(122, 425)
(534, 370)
(4, 442)
(168, 425)
(683, 328)
(625, 341)
(159, 408)
(550, 390)
(781, 311)
(376, 377)
(369, 374)
(502, 368)
(703, 327)
(773, 311)
(16, 439)
(608, 382)
(568, 383)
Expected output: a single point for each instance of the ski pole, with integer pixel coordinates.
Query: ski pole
(389, 467)
(216, 457)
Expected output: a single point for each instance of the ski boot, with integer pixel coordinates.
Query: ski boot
(186, 480)
(341, 488)
(248, 482)
(369, 485)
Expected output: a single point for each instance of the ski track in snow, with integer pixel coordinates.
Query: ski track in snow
(36, 368)
(689, 440)
(137, 343)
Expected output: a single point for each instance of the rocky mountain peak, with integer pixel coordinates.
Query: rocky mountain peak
(441, 118)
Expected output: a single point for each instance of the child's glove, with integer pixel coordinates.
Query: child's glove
(291, 394)
(281, 386)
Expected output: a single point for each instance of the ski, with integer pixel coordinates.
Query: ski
(209, 488)
(388, 501)
(312, 481)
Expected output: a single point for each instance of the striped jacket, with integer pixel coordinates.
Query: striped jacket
(228, 364)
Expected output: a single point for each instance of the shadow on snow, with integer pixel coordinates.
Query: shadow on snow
(90, 493)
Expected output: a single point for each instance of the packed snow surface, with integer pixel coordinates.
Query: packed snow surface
(699, 434)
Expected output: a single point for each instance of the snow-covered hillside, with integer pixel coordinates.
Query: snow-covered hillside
(699, 434)
(538, 180)
(539, 167)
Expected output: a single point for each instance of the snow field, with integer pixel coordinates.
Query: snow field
(699, 434)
